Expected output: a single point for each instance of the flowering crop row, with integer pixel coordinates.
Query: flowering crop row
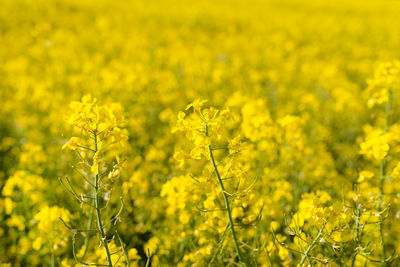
(210, 133)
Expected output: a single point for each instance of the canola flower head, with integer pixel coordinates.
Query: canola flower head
(376, 144)
(196, 105)
(91, 118)
(386, 79)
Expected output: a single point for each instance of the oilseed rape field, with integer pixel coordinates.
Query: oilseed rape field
(199, 133)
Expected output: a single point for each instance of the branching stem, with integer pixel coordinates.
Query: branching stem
(98, 212)
(227, 206)
(312, 245)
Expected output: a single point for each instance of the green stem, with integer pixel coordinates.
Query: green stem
(388, 111)
(52, 259)
(98, 212)
(379, 206)
(221, 242)
(312, 245)
(382, 173)
(357, 234)
(227, 206)
(89, 226)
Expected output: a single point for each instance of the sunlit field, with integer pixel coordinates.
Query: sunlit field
(199, 133)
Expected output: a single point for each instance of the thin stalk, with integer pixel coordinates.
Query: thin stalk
(98, 212)
(128, 262)
(89, 225)
(388, 111)
(52, 259)
(312, 245)
(382, 173)
(227, 206)
(79, 260)
(379, 207)
(221, 242)
(148, 258)
(357, 235)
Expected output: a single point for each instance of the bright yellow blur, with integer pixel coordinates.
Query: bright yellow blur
(308, 114)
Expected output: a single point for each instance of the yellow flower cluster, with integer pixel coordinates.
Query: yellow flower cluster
(50, 231)
(218, 187)
(376, 144)
(90, 118)
(381, 86)
(99, 127)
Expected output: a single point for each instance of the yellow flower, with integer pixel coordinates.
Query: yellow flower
(396, 171)
(364, 175)
(385, 78)
(181, 157)
(95, 168)
(73, 143)
(376, 144)
(151, 245)
(197, 104)
(181, 123)
(9, 205)
(235, 145)
(37, 244)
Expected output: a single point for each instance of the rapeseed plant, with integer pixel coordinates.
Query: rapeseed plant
(99, 130)
(203, 128)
